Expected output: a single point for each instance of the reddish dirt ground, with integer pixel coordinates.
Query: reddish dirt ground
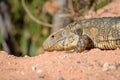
(94, 64)
(89, 65)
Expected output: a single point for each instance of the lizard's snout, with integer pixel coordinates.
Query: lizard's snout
(46, 46)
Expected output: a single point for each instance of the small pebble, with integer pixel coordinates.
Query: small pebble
(39, 71)
(33, 68)
(105, 66)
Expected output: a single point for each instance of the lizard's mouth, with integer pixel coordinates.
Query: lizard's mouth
(49, 46)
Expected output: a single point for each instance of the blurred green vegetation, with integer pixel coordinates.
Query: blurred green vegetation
(29, 36)
(102, 4)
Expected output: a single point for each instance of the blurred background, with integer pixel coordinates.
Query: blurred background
(25, 24)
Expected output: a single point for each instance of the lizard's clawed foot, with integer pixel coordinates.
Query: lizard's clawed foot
(74, 51)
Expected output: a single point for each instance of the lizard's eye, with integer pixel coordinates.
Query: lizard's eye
(52, 36)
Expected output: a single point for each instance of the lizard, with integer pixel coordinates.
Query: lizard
(102, 33)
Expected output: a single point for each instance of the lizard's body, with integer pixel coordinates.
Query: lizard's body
(103, 33)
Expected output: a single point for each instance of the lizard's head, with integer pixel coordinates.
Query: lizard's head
(61, 40)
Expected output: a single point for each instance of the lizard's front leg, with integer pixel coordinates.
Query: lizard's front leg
(84, 43)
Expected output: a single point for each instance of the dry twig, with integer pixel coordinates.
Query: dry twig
(33, 18)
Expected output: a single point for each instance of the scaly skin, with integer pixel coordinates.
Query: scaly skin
(103, 33)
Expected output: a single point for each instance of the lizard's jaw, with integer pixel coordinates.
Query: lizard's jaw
(51, 46)
(59, 46)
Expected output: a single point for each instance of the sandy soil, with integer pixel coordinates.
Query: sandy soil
(89, 65)
(94, 64)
